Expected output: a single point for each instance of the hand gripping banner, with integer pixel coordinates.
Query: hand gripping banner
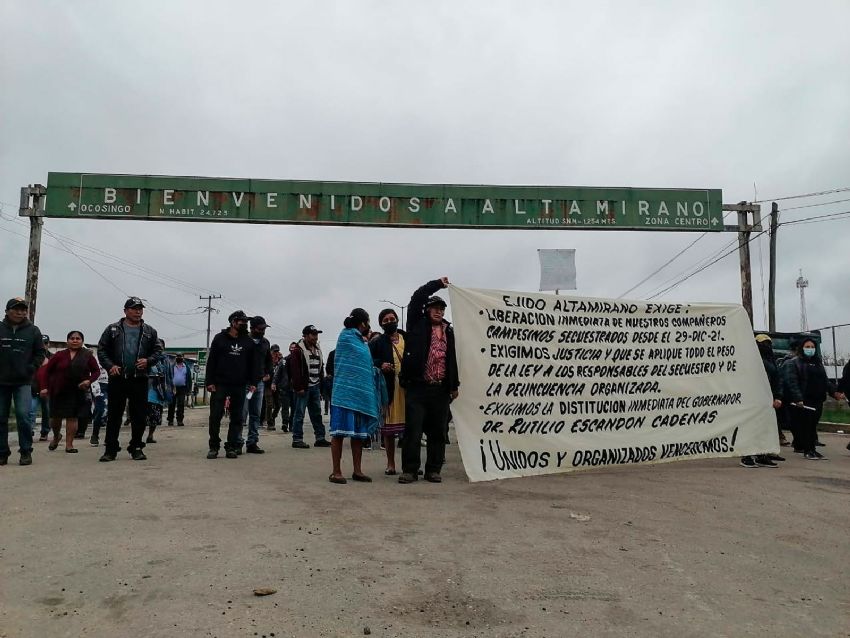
(557, 383)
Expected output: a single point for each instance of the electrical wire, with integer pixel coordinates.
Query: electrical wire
(663, 266)
(843, 189)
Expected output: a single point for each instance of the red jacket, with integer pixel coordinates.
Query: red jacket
(56, 375)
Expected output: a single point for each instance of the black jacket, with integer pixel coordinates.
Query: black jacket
(844, 384)
(382, 352)
(110, 348)
(263, 358)
(281, 376)
(772, 372)
(805, 380)
(232, 360)
(418, 341)
(21, 352)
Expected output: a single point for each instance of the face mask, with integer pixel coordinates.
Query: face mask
(390, 327)
(809, 352)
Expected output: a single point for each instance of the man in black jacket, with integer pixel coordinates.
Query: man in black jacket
(21, 353)
(231, 370)
(127, 350)
(429, 375)
(253, 410)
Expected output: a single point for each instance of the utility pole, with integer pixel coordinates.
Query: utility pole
(35, 211)
(744, 230)
(392, 303)
(209, 299)
(771, 291)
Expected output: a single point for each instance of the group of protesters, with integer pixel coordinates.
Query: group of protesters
(799, 385)
(387, 385)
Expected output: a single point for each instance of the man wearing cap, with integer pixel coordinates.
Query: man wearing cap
(231, 372)
(21, 353)
(306, 368)
(429, 376)
(253, 411)
(127, 350)
(181, 376)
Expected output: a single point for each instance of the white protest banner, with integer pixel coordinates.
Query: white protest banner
(556, 384)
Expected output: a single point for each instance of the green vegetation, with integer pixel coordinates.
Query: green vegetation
(833, 415)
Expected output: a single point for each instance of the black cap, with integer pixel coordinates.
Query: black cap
(275, 348)
(17, 302)
(435, 301)
(133, 302)
(309, 329)
(258, 321)
(237, 315)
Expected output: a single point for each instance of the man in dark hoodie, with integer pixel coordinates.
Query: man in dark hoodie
(429, 375)
(128, 349)
(231, 371)
(21, 353)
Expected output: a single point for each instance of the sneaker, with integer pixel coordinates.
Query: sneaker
(94, 442)
(138, 455)
(819, 444)
(775, 457)
(43, 437)
(107, 457)
(747, 461)
(239, 451)
(763, 461)
(820, 456)
(811, 456)
(179, 425)
(254, 449)
(212, 454)
(407, 477)
(26, 458)
(322, 443)
(434, 477)
(230, 454)
(150, 439)
(300, 445)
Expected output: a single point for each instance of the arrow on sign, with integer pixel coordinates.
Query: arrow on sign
(714, 222)
(72, 206)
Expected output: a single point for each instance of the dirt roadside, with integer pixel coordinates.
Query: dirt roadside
(174, 546)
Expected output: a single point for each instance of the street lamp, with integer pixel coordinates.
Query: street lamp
(392, 303)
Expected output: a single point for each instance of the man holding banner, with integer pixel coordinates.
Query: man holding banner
(429, 375)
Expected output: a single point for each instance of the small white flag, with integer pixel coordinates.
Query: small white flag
(557, 268)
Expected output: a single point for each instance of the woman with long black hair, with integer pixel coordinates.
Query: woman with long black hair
(66, 379)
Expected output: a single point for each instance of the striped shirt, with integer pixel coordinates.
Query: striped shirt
(435, 367)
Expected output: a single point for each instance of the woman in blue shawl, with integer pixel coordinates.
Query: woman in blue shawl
(355, 400)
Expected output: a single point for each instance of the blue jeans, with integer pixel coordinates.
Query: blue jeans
(252, 409)
(45, 414)
(100, 403)
(311, 400)
(22, 396)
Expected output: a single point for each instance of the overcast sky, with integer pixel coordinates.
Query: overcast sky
(752, 98)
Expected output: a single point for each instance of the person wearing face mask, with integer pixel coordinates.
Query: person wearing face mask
(429, 375)
(231, 371)
(357, 397)
(252, 412)
(806, 386)
(765, 346)
(387, 354)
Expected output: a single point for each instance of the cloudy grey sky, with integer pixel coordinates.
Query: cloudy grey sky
(731, 95)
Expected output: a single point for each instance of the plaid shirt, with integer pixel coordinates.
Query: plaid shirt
(435, 367)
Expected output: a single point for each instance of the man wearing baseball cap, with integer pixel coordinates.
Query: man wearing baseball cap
(253, 411)
(127, 350)
(306, 369)
(231, 373)
(21, 354)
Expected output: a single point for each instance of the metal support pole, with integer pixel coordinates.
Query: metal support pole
(771, 294)
(209, 299)
(32, 206)
(744, 255)
(834, 356)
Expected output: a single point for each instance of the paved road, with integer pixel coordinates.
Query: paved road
(174, 547)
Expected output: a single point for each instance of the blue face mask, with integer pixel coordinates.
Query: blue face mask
(809, 352)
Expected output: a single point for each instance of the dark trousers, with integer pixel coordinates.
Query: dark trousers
(178, 401)
(234, 429)
(271, 401)
(132, 391)
(807, 427)
(426, 411)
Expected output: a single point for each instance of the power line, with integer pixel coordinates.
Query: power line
(837, 201)
(663, 266)
(844, 189)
